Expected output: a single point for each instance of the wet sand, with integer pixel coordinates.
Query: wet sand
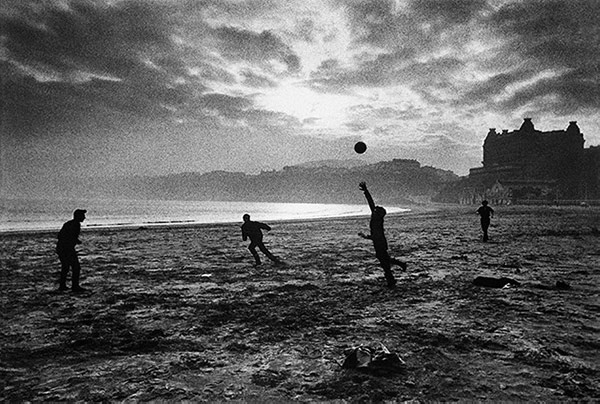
(180, 313)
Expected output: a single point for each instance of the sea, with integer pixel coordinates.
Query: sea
(22, 215)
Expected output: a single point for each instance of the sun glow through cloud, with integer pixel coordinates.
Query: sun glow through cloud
(306, 104)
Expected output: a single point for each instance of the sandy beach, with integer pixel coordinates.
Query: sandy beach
(180, 313)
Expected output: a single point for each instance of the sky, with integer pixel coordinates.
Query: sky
(152, 87)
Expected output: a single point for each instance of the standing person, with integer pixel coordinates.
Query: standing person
(68, 237)
(485, 212)
(378, 237)
(252, 230)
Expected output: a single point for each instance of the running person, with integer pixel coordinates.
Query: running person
(485, 212)
(253, 231)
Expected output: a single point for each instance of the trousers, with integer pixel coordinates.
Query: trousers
(69, 260)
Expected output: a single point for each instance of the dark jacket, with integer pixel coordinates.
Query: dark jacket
(253, 231)
(68, 236)
(485, 212)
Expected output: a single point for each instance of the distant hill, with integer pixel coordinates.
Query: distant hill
(329, 181)
(350, 163)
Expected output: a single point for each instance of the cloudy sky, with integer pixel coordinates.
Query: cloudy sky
(122, 87)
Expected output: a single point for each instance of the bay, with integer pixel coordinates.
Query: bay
(18, 214)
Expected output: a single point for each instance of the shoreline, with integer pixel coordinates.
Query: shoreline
(193, 224)
(412, 210)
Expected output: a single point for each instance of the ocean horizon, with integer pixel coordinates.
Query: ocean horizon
(24, 214)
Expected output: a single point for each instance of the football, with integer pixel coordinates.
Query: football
(360, 147)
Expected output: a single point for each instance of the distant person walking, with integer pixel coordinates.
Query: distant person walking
(378, 237)
(253, 231)
(68, 238)
(486, 213)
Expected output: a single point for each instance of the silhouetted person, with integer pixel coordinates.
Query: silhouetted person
(486, 213)
(68, 238)
(253, 231)
(378, 237)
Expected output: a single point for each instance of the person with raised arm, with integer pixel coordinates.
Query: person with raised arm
(378, 237)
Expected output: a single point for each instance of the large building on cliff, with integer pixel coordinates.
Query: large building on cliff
(530, 164)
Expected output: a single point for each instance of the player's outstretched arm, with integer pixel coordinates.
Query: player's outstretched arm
(363, 187)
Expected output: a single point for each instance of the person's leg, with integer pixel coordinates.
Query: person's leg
(485, 224)
(252, 248)
(401, 264)
(64, 271)
(385, 261)
(76, 271)
(264, 250)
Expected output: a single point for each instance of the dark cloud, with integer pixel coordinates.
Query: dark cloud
(383, 70)
(54, 108)
(386, 69)
(34, 108)
(329, 77)
(549, 52)
(244, 10)
(117, 56)
(485, 91)
(375, 22)
(257, 80)
(403, 38)
(420, 26)
(432, 76)
(107, 40)
(305, 30)
(220, 110)
(552, 32)
(262, 48)
(67, 63)
(563, 93)
(224, 104)
(448, 11)
(370, 112)
(209, 71)
(534, 37)
(273, 121)
(566, 94)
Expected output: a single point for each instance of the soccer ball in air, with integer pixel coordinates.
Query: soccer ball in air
(360, 147)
